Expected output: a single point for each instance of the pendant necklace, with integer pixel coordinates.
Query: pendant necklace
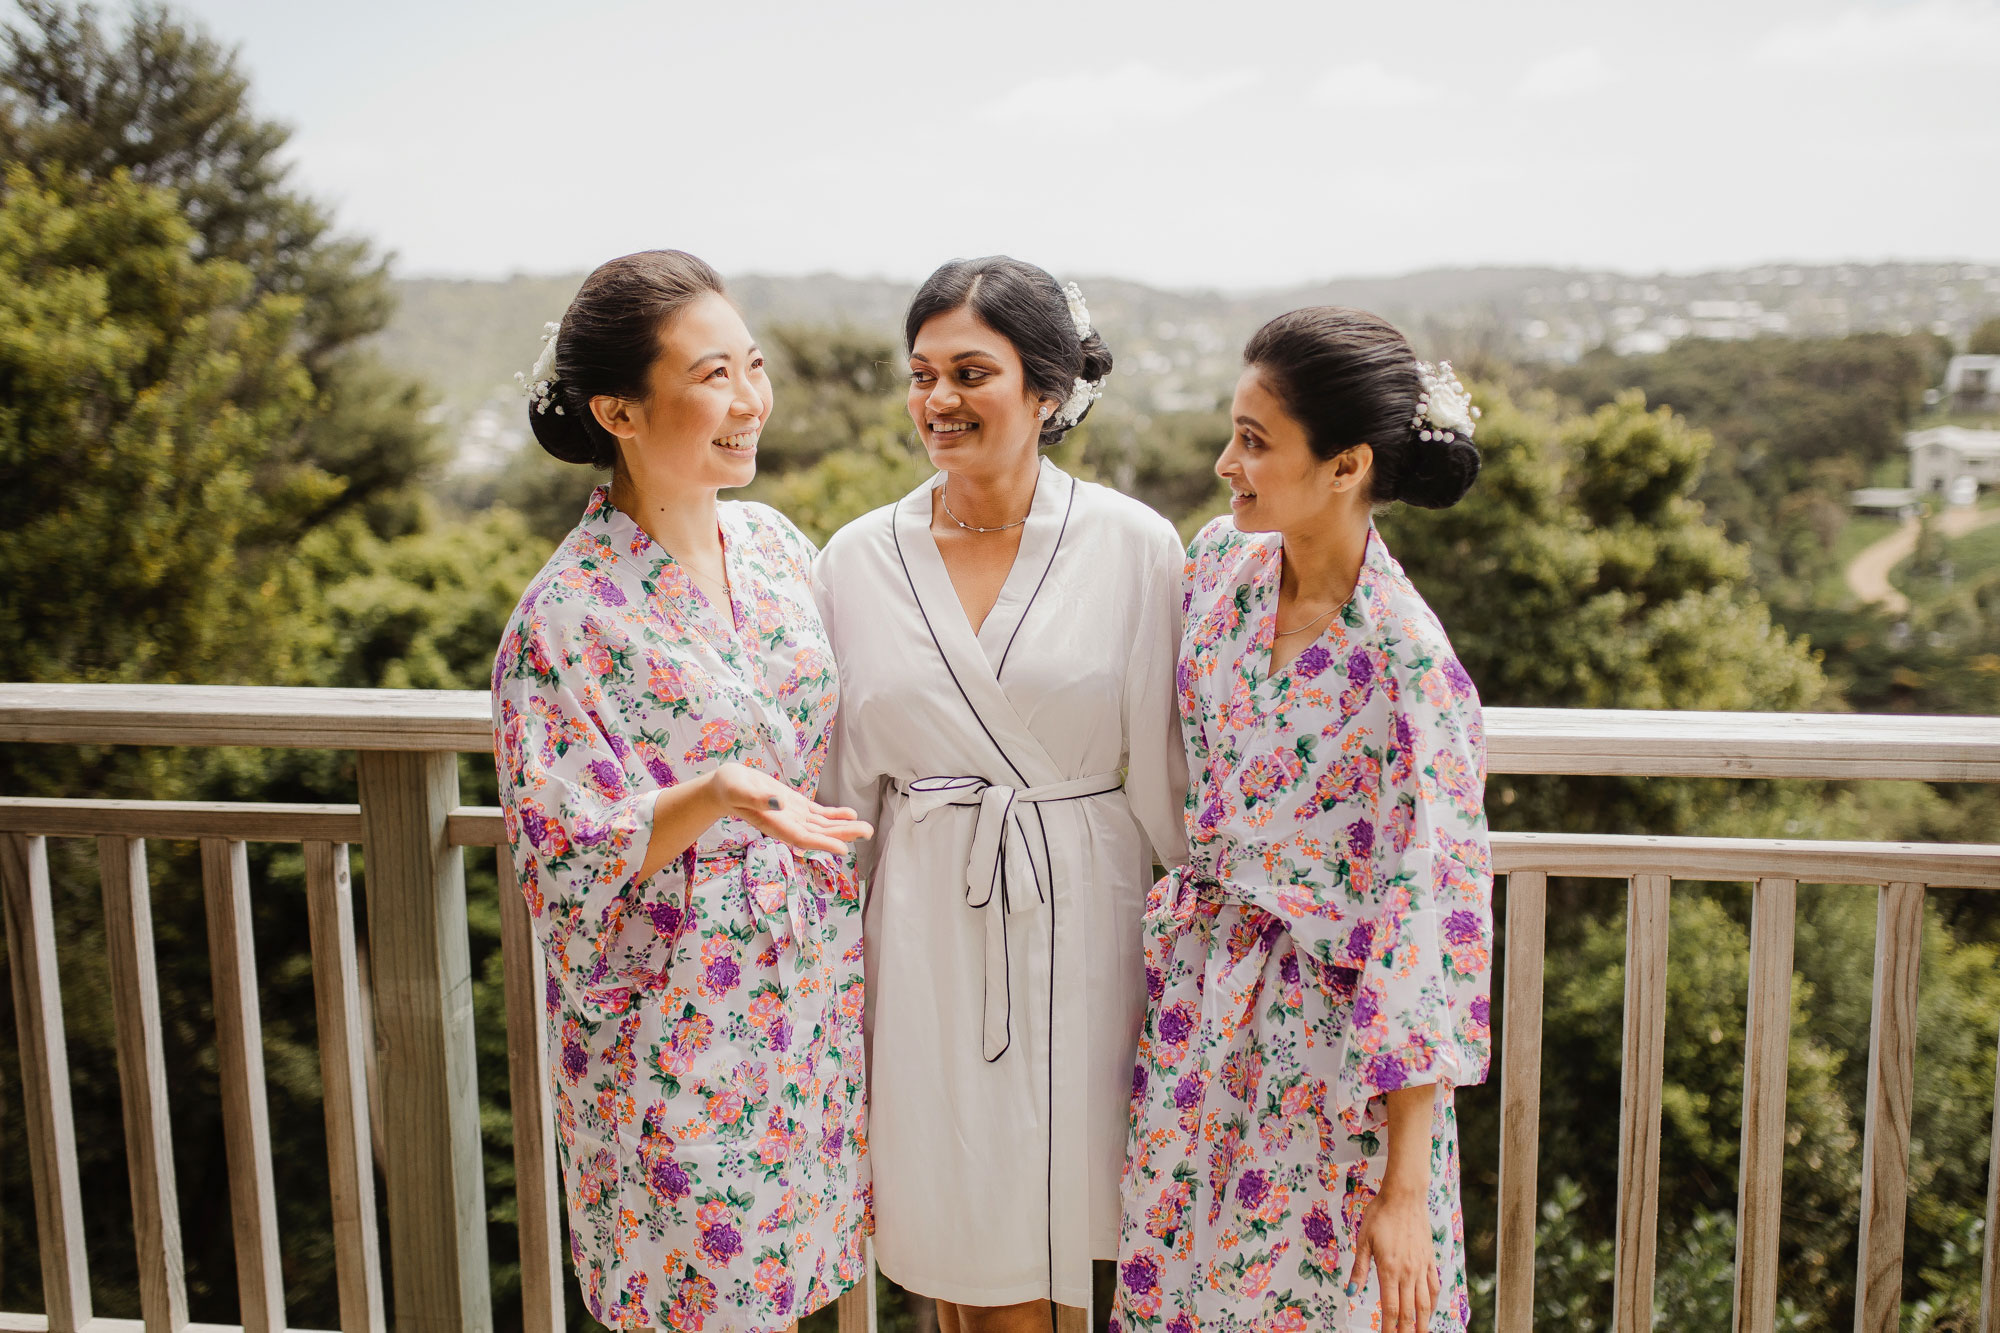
(944, 494)
(1282, 633)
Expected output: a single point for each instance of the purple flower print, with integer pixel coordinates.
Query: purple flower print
(1252, 1188)
(1141, 1274)
(658, 768)
(1181, 1323)
(608, 777)
(1365, 1009)
(1462, 927)
(666, 919)
(1188, 1091)
(1461, 684)
(1360, 941)
(606, 591)
(1386, 1072)
(830, 1145)
(1184, 676)
(1288, 968)
(782, 1297)
(1360, 671)
(722, 974)
(1361, 839)
(1156, 983)
(781, 1034)
(1482, 1010)
(721, 1243)
(536, 827)
(1318, 1227)
(1175, 1026)
(1402, 728)
(552, 995)
(670, 1178)
(1214, 812)
(1312, 661)
(575, 1060)
(1139, 1081)
(617, 744)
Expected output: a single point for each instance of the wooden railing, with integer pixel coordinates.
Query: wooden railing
(409, 819)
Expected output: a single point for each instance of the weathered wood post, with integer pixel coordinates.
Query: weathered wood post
(422, 966)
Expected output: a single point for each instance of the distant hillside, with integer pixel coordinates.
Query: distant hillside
(1178, 349)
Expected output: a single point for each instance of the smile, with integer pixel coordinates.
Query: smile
(953, 427)
(743, 442)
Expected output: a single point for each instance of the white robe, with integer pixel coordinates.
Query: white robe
(1016, 868)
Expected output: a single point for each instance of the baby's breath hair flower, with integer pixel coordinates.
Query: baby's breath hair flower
(1081, 395)
(539, 384)
(1444, 408)
(1079, 313)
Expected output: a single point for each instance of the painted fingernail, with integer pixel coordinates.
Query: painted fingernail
(773, 802)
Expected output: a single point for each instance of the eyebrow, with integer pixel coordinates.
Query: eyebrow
(1250, 421)
(720, 356)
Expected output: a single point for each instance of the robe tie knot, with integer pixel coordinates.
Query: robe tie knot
(1006, 872)
(783, 888)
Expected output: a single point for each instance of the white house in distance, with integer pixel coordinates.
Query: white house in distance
(1972, 384)
(1943, 455)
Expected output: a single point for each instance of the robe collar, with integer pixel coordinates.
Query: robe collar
(1354, 625)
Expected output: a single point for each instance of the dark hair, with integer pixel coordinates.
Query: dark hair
(1350, 378)
(1026, 307)
(609, 339)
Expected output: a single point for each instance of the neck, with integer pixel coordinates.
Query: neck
(1323, 562)
(678, 517)
(987, 499)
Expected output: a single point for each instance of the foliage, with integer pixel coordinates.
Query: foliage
(166, 105)
(1985, 340)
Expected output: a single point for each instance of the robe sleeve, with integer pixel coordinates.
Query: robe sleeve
(1156, 782)
(1421, 997)
(577, 831)
(846, 780)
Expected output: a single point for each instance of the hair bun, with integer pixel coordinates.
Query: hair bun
(1439, 474)
(562, 433)
(1096, 358)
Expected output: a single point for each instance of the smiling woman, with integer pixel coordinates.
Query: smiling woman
(662, 701)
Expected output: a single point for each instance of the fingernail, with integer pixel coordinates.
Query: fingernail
(773, 802)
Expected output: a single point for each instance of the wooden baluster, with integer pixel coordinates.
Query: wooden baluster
(1766, 1056)
(856, 1310)
(537, 1195)
(31, 961)
(1521, 1099)
(1885, 1148)
(1072, 1319)
(1989, 1272)
(420, 959)
(246, 1120)
(142, 1083)
(343, 1041)
(1639, 1104)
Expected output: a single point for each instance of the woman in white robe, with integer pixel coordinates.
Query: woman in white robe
(1006, 637)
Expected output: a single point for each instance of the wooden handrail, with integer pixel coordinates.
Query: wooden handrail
(1580, 741)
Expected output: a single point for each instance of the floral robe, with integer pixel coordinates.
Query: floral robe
(1329, 941)
(705, 1025)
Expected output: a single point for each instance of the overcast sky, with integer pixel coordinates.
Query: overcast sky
(1229, 143)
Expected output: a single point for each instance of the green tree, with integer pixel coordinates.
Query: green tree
(166, 105)
(1985, 340)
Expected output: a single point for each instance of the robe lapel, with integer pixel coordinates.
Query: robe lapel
(1021, 757)
(1048, 520)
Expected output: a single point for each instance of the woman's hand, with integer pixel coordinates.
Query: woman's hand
(1396, 1238)
(777, 811)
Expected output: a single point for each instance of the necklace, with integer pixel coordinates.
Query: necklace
(944, 494)
(1277, 633)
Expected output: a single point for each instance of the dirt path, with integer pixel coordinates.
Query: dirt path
(1868, 572)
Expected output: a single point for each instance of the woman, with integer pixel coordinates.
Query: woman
(1005, 636)
(661, 707)
(1318, 971)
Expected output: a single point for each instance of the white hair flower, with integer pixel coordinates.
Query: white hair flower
(1444, 407)
(1081, 396)
(1079, 313)
(539, 384)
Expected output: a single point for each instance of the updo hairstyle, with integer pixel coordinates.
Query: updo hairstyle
(610, 336)
(1350, 378)
(1026, 306)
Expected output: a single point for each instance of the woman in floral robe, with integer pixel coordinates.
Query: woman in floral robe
(657, 730)
(1318, 972)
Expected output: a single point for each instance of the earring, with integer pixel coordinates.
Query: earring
(1044, 412)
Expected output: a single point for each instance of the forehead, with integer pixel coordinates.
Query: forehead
(952, 333)
(709, 323)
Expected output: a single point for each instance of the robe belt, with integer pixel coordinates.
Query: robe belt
(1233, 971)
(779, 890)
(1001, 863)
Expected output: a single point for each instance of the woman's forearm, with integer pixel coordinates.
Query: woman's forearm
(1409, 1167)
(681, 814)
